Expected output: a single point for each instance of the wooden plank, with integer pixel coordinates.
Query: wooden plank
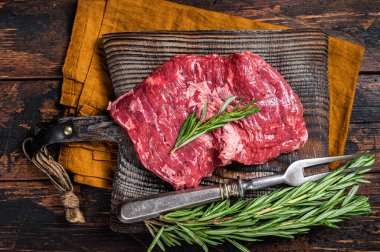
(354, 20)
(364, 136)
(23, 105)
(367, 103)
(35, 34)
(364, 130)
(32, 218)
(34, 37)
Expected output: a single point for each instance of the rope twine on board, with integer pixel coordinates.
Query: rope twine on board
(62, 182)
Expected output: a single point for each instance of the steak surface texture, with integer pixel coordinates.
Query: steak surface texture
(155, 110)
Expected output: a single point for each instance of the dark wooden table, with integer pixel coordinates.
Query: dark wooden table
(33, 41)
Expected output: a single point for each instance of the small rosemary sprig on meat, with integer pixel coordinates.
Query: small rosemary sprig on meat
(284, 212)
(191, 128)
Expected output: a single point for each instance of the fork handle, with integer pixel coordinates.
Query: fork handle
(263, 182)
(138, 209)
(151, 206)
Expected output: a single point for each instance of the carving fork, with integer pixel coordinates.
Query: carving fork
(138, 209)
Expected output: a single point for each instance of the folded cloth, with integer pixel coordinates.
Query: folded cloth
(87, 88)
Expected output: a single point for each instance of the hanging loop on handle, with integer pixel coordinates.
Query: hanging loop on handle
(53, 133)
(35, 149)
(74, 129)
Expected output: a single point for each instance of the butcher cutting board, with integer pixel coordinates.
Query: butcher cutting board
(300, 56)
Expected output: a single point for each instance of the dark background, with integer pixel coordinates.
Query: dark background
(34, 37)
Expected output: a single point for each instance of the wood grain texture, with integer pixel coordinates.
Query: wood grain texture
(34, 37)
(367, 100)
(364, 130)
(35, 34)
(23, 105)
(30, 213)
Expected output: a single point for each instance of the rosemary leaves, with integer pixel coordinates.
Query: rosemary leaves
(283, 213)
(192, 129)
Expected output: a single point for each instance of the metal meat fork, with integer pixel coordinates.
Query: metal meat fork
(151, 206)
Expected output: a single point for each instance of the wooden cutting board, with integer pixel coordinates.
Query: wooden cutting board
(299, 55)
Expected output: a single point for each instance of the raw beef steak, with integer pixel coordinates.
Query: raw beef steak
(155, 110)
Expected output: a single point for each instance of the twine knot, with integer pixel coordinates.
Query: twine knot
(61, 181)
(71, 203)
(70, 200)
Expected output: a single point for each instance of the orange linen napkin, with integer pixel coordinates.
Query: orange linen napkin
(87, 88)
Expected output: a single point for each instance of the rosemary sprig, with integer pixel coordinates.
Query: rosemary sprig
(284, 212)
(191, 128)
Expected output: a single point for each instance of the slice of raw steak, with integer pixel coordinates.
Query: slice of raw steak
(278, 128)
(155, 110)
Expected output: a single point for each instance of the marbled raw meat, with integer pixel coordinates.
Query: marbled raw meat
(154, 111)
